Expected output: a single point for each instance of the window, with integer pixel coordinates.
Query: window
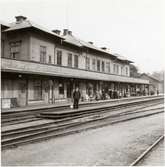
(126, 70)
(108, 69)
(61, 88)
(43, 54)
(117, 69)
(69, 59)
(98, 65)
(103, 66)
(87, 63)
(15, 49)
(59, 57)
(76, 61)
(2, 47)
(114, 68)
(37, 89)
(121, 70)
(93, 64)
(50, 59)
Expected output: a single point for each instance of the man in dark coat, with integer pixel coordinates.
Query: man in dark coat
(76, 98)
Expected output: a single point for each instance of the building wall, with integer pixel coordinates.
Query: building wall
(65, 52)
(30, 50)
(35, 43)
(14, 37)
(154, 84)
(14, 89)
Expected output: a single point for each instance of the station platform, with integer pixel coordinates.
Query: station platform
(58, 115)
(65, 104)
(75, 112)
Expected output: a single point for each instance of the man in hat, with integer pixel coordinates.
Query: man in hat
(76, 98)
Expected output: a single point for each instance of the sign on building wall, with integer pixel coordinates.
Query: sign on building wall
(6, 103)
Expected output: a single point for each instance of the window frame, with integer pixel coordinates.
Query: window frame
(117, 69)
(37, 84)
(76, 61)
(98, 65)
(108, 67)
(61, 88)
(50, 59)
(16, 47)
(70, 60)
(59, 57)
(43, 51)
(87, 63)
(126, 71)
(114, 68)
(103, 66)
(94, 64)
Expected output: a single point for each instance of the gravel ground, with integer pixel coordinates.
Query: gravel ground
(155, 157)
(118, 144)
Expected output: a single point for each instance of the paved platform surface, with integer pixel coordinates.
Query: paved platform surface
(44, 121)
(60, 104)
(156, 157)
(113, 145)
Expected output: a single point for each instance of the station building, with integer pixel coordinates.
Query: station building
(44, 67)
(154, 83)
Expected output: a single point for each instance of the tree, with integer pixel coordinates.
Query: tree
(158, 75)
(134, 71)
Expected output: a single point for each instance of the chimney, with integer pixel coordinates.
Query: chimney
(104, 48)
(70, 32)
(56, 31)
(90, 42)
(20, 19)
(65, 32)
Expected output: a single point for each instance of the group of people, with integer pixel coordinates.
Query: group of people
(111, 94)
(103, 95)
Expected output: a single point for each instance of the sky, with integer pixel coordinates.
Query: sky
(132, 28)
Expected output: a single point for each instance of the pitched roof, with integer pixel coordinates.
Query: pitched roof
(4, 24)
(122, 58)
(72, 40)
(148, 75)
(67, 38)
(80, 43)
(28, 24)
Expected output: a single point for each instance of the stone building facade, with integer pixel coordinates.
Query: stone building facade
(42, 67)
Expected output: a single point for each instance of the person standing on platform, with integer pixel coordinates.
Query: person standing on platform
(76, 98)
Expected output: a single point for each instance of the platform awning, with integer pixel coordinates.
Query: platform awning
(28, 67)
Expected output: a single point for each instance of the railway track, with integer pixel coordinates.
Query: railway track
(147, 151)
(16, 117)
(88, 119)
